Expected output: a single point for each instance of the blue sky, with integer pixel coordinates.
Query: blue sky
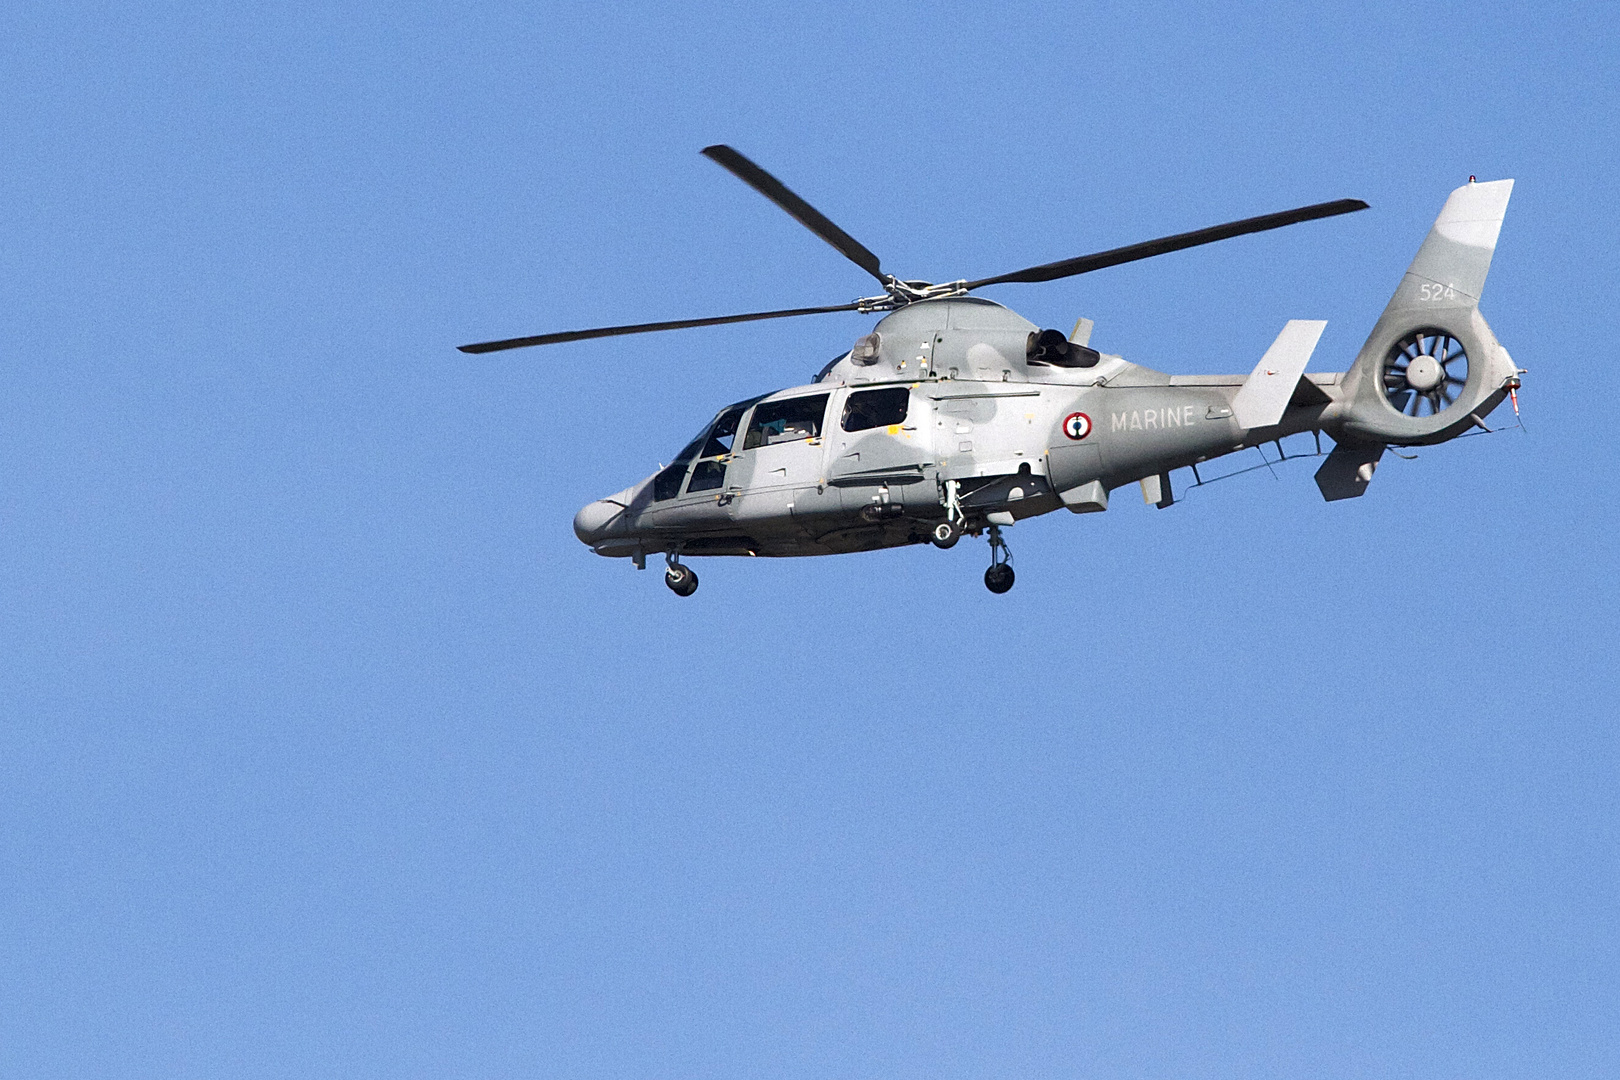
(327, 750)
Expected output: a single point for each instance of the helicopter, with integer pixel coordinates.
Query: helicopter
(956, 416)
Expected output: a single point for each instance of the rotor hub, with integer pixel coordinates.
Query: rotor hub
(1424, 373)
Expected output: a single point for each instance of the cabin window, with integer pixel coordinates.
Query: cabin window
(786, 421)
(876, 408)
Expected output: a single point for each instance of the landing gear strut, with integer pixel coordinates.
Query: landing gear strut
(948, 532)
(682, 581)
(999, 578)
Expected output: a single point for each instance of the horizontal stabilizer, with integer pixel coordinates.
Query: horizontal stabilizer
(1261, 400)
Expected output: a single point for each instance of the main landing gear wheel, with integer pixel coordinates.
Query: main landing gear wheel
(945, 535)
(999, 578)
(681, 580)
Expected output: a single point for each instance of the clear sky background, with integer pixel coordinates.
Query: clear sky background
(327, 750)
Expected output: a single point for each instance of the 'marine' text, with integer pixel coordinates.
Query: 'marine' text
(1151, 419)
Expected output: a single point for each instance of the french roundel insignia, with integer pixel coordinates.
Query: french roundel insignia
(1077, 425)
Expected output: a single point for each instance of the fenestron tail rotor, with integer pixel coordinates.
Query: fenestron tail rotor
(898, 293)
(1425, 372)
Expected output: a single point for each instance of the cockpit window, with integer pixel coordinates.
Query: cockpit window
(710, 472)
(724, 431)
(667, 484)
(876, 408)
(786, 421)
(713, 442)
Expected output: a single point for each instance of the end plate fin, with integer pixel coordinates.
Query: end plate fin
(1263, 397)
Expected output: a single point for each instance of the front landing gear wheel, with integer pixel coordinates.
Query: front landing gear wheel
(945, 535)
(681, 580)
(999, 578)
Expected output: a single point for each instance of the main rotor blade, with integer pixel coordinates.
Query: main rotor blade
(807, 215)
(1084, 264)
(645, 328)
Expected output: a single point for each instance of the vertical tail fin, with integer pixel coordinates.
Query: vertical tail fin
(1265, 393)
(1431, 364)
(1450, 267)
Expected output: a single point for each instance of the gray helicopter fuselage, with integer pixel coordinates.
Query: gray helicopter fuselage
(956, 415)
(946, 410)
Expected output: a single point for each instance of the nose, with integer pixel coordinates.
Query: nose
(596, 520)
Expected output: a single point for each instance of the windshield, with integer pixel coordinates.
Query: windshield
(668, 482)
(713, 441)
